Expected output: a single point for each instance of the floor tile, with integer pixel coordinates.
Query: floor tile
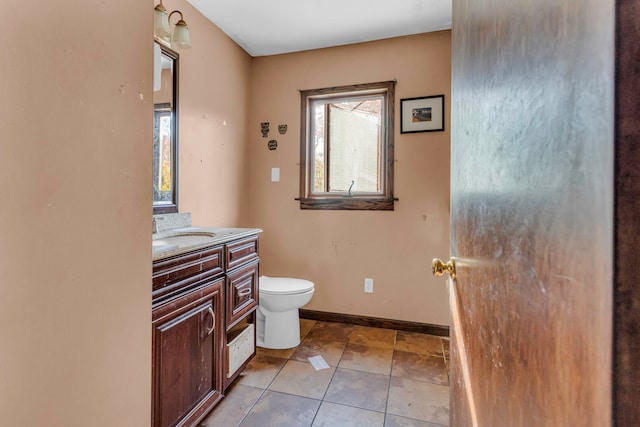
(419, 400)
(420, 367)
(235, 405)
(374, 337)
(330, 351)
(365, 358)
(334, 415)
(302, 379)
(396, 421)
(305, 327)
(360, 389)
(281, 410)
(282, 354)
(261, 371)
(414, 342)
(330, 331)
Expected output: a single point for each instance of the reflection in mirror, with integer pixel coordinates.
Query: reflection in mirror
(165, 130)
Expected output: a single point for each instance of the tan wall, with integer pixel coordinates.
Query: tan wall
(338, 249)
(214, 106)
(75, 251)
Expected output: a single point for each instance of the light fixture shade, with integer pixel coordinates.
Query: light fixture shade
(181, 37)
(161, 22)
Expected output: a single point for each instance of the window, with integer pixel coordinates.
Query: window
(346, 149)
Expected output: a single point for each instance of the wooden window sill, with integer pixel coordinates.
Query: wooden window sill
(348, 203)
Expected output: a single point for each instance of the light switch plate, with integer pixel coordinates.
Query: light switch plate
(368, 285)
(275, 174)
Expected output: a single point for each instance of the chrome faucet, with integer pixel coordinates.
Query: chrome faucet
(155, 226)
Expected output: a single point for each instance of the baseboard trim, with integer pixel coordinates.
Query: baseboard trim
(376, 322)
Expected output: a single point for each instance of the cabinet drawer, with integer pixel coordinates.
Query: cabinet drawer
(240, 349)
(178, 272)
(242, 292)
(241, 251)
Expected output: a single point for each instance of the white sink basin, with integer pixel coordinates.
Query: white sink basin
(187, 233)
(172, 241)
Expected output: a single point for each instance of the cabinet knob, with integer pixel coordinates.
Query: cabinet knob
(438, 268)
(213, 321)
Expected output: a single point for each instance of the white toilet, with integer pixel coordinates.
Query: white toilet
(280, 299)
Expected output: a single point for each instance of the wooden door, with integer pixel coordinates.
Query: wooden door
(626, 364)
(532, 212)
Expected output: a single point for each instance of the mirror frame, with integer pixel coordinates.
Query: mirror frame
(170, 207)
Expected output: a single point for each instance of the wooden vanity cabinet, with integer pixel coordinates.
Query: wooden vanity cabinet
(203, 322)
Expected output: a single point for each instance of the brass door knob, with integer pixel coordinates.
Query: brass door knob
(438, 268)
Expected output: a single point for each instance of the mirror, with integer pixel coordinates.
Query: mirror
(165, 130)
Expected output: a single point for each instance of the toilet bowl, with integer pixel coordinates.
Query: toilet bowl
(278, 322)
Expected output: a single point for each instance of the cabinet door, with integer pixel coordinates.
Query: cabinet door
(242, 292)
(186, 353)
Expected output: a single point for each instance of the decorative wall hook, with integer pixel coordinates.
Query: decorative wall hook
(273, 144)
(282, 129)
(264, 128)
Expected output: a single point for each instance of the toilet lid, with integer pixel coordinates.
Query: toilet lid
(284, 285)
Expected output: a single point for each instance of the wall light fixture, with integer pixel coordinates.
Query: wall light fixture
(162, 32)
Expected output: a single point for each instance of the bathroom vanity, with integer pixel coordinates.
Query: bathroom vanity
(205, 294)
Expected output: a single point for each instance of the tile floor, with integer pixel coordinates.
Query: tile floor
(377, 377)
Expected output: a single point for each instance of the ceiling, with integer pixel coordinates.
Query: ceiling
(271, 27)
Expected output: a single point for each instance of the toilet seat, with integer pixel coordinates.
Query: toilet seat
(284, 285)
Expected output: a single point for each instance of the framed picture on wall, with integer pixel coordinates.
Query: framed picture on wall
(423, 114)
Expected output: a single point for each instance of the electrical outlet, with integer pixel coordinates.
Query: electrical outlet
(368, 285)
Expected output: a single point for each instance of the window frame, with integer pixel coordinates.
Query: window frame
(172, 206)
(343, 201)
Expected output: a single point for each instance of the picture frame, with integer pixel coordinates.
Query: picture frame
(422, 114)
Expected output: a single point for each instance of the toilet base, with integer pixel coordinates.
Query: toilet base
(278, 330)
